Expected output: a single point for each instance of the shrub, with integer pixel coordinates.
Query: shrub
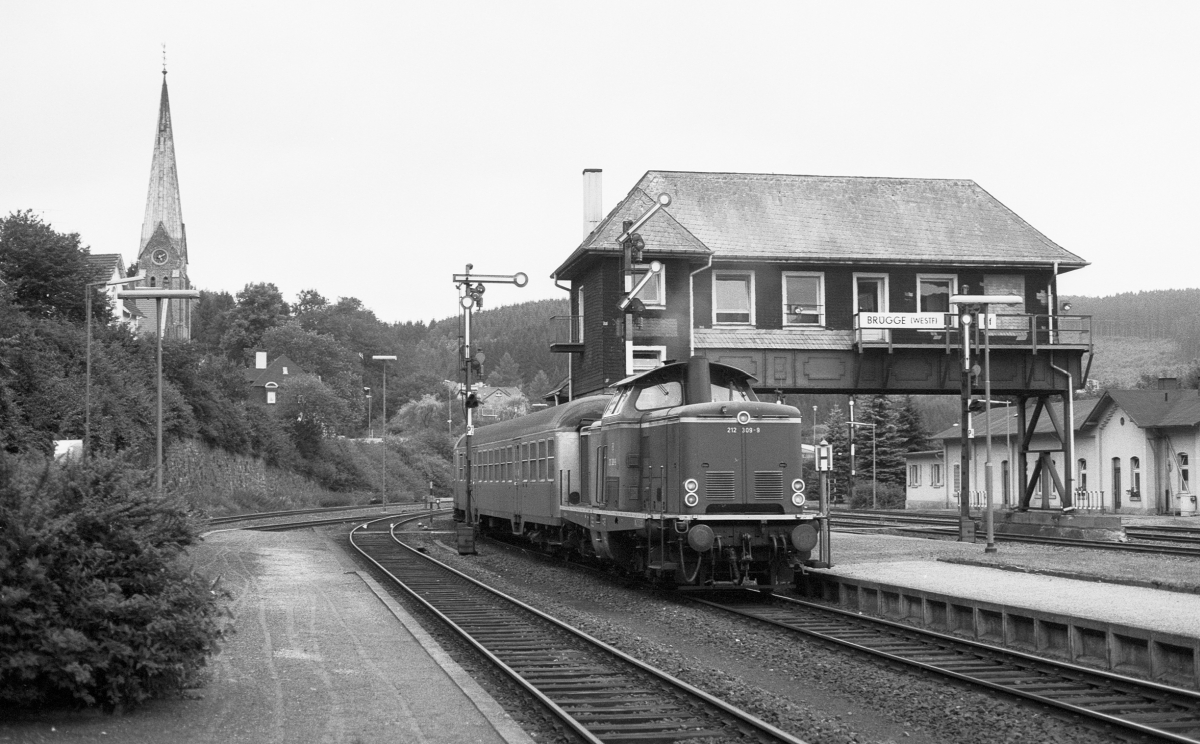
(95, 605)
(885, 496)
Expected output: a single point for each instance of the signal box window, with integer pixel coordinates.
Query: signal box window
(733, 297)
(645, 358)
(803, 299)
(654, 294)
(933, 293)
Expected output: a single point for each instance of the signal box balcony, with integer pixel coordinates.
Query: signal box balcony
(568, 334)
(1005, 331)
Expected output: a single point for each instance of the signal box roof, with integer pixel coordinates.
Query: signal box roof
(824, 219)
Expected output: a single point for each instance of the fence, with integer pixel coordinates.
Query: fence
(1086, 501)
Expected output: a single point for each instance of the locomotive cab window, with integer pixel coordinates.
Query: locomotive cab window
(729, 388)
(663, 395)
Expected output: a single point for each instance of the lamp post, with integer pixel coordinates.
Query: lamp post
(158, 295)
(450, 385)
(385, 358)
(370, 422)
(874, 475)
(87, 395)
(980, 304)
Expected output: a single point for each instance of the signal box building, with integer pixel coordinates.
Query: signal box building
(815, 284)
(776, 274)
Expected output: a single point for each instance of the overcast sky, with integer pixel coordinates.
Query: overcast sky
(374, 149)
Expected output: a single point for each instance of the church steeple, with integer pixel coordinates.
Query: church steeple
(162, 200)
(162, 250)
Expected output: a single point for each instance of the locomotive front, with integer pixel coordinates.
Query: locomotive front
(721, 476)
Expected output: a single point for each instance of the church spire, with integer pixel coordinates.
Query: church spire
(162, 201)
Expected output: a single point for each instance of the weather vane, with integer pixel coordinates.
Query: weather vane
(164, 58)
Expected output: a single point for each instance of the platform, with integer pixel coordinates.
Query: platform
(1128, 629)
(319, 652)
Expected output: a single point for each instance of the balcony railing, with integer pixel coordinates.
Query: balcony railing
(567, 334)
(1023, 331)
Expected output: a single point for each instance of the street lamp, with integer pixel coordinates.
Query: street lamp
(874, 475)
(158, 295)
(87, 395)
(370, 423)
(980, 304)
(385, 358)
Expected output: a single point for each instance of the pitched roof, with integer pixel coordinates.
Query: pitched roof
(1001, 425)
(102, 266)
(826, 219)
(1149, 408)
(272, 372)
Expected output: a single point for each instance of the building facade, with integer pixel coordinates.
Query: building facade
(787, 277)
(1133, 451)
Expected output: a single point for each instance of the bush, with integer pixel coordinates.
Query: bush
(95, 607)
(885, 496)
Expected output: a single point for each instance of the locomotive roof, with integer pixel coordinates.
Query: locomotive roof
(670, 370)
(564, 416)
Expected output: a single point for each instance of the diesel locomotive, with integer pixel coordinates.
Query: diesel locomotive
(681, 475)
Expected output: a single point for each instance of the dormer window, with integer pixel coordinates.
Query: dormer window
(285, 370)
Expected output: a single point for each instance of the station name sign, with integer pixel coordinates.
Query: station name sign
(916, 321)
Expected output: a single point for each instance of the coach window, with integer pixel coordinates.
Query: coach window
(733, 297)
(550, 459)
(524, 461)
(654, 294)
(508, 468)
(803, 298)
(541, 460)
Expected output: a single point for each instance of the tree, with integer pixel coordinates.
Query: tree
(313, 411)
(838, 437)
(416, 416)
(307, 301)
(885, 451)
(506, 374)
(538, 387)
(259, 308)
(319, 354)
(909, 426)
(210, 318)
(46, 271)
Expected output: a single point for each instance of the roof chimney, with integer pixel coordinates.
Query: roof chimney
(260, 360)
(593, 205)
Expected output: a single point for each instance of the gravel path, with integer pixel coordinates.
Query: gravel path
(817, 693)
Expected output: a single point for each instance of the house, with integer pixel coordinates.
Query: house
(265, 378)
(1133, 452)
(813, 284)
(924, 485)
(498, 403)
(110, 267)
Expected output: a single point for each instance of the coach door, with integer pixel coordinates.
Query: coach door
(585, 468)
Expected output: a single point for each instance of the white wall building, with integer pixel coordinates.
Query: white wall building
(1133, 453)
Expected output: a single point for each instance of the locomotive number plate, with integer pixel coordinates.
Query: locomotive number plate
(743, 429)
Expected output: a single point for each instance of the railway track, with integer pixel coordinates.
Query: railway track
(596, 691)
(1131, 705)
(254, 516)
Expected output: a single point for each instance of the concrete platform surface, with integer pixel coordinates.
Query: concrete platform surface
(1151, 609)
(320, 654)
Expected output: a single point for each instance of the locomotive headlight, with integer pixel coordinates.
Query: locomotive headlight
(691, 485)
(743, 417)
(691, 499)
(798, 484)
(798, 499)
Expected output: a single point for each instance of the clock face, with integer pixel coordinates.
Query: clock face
(159, 256)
